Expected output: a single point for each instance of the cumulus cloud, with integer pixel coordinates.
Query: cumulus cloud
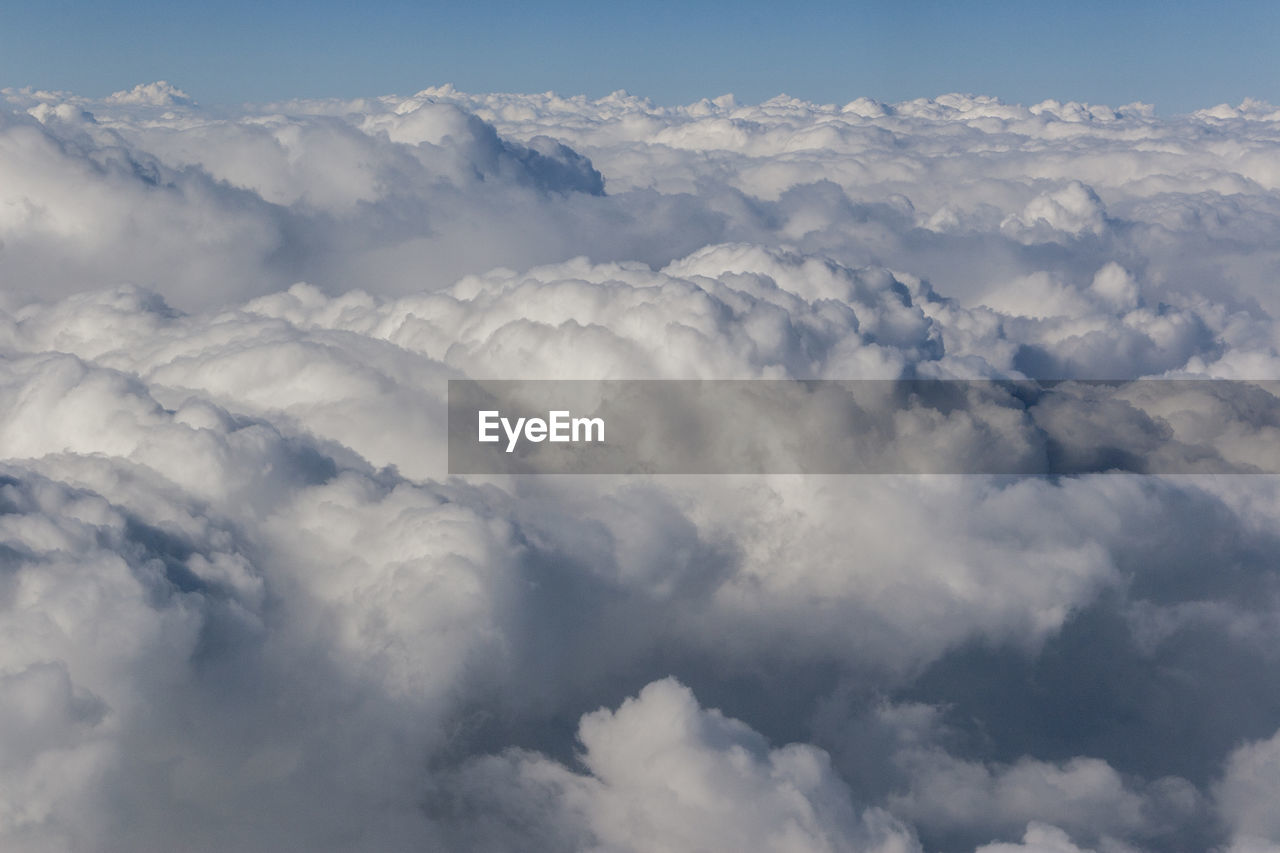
(1247, 794)
(158, 94)
(1039, 838)
(661, 772)
(243, 605)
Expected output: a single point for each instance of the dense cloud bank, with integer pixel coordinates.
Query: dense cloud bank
(242, 607)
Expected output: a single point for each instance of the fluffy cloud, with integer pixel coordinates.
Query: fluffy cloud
(663, 773)
(242, 606)
(1247, 794)
(158, 94)
(1039, 838)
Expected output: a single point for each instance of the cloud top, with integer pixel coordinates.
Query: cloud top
(243, 606)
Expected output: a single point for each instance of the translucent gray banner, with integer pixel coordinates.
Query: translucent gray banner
(1152, 426)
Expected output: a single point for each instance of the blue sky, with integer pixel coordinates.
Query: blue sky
(1177, 55)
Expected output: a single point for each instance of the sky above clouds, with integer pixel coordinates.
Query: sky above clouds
(1179, 55)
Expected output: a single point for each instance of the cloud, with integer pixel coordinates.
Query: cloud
(1074, 210)
(243, 606)
(1246, 794)
(1083, 795)
(1039, 838)
(663, 772)
(158, 94)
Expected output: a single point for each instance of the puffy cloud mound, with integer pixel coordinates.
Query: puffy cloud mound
(662, 773)
(157, 94)
(243, 607)
(1038, 839)
(1248, 793)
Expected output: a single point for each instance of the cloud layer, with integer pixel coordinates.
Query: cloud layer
(242, 607)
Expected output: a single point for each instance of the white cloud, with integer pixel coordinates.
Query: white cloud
(1073, 210)
(242, 606)
(1247, 795)
(1039, 838)
(158, 94)
(663, 773)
